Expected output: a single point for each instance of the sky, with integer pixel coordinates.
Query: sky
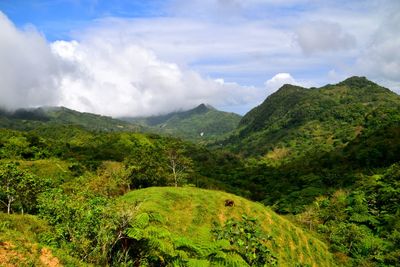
(141, 58)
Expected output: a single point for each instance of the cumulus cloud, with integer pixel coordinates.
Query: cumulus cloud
(276, 82)
(323, 36)
(110, 76)
(29, 72)
(125, 79)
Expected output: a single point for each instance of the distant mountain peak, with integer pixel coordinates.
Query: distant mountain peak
(202, 108)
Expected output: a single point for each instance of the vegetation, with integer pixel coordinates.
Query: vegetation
(324, 154)
(78, 189)
(201, 217)
(202, 124)
(24, 119)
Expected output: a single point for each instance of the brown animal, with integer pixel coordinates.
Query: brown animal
(229, 203)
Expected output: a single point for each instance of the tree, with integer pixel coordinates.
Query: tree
(9, 179)
(17, 186)
(147, 167)
(178, 164)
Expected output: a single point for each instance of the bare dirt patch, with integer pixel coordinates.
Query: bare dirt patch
(8, 256)
(47, 258)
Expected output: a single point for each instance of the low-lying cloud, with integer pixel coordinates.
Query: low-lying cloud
(106, 76)
(29, 71)
(118, 78)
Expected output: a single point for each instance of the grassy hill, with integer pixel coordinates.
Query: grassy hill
(201, 124)
(191, 212)
(26, 119)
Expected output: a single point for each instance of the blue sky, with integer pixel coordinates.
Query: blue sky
(152, 57)
(57, 18)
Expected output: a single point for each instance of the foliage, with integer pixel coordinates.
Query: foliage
(329, 155)
(202, 124)
(75, 218)
(247, 240)
(361, 224)
(19, 189)
(28, 119)
(183, 219)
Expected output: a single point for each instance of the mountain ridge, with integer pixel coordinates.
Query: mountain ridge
(203, 123)
(294, 111)
(30, 118)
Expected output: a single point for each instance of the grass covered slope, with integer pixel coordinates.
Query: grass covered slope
(191, 212)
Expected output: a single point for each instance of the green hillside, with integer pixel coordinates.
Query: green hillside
(295, 121)
(191, 212)
(330, 156)
(201, 124)
(301, 143)
(26, 119)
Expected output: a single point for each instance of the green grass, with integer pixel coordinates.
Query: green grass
(190, 212)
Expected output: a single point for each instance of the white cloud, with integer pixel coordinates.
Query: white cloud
(122, 66)
(381, 58)
(276, 82)
(125, 79)
(323, 36)
(29, 72)
(110, 76)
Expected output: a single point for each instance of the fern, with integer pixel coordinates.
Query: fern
(141, 220)
(230, 259)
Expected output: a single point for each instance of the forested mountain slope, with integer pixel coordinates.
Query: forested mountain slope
(35, 117)
(201, 124)
(330, 155)
(295, 121)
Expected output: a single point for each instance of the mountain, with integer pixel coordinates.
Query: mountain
(329, 157)
(34, 117)
(295, 121)
(201, 124)
(302, 143)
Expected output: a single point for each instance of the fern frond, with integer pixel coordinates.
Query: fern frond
(141, 221)
(229, 260)
(135, 233)
(155, 231)
(198, 263)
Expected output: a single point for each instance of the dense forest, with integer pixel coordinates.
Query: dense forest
(311, 177)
